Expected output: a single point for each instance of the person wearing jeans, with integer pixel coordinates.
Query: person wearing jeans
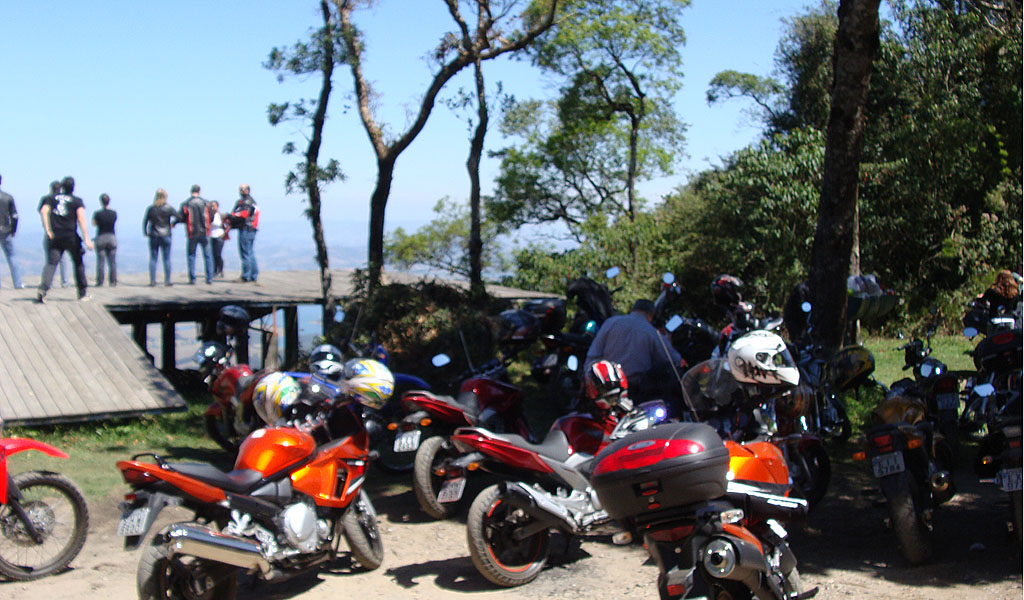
(195, 213)
(156, 225)
(245, 217)
(105, 241)
(8, 227)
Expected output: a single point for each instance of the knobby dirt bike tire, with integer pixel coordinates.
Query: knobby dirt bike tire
(362, 533)
(425, 484)
(42, 515)
(179, 577)
(495, 555)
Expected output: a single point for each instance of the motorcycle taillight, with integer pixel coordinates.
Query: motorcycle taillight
(137, 477)
(674, 534)
(883, 442)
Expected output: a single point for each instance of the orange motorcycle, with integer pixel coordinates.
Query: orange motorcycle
(709, 511)
(296, 489)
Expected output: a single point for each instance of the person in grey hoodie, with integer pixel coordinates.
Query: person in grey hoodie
(156, 225)
(8, 227)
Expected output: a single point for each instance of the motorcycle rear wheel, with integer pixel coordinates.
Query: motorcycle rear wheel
(496, 554)
(183, 577)
(57, 509)
(912, 532)
(362, 534)
(432, 452)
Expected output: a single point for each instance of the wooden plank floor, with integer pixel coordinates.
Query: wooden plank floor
(66, 360)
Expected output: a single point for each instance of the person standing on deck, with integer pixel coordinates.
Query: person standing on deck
(54, 190)
(245, 217)
(195, 213)
(106, 241)
(156, 225)
(63, 217)
(8, 227)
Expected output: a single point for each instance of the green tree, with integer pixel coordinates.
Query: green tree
(612, 125)
(443, 244)
(318, 55)
(480, 34)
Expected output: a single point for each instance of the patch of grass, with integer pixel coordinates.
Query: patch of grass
(95, 448)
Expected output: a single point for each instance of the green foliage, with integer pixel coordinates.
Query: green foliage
(758, 217)
(443, 243)
(613, 124)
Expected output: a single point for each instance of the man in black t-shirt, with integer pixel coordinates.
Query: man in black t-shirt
(63, 216)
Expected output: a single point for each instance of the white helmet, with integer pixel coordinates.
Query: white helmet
(761, 357)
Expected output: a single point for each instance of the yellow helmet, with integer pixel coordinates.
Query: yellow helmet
(369, 381)
(273, 394)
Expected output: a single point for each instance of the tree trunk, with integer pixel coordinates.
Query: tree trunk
(378, 204)
(855, 49)
(477, 291)
(312, 182)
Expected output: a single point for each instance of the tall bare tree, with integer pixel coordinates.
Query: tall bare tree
(304, 58)
(489, 38)
(855, 49)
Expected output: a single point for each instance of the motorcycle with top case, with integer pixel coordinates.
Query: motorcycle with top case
(543, 487)
(295, 491)
(709, 511)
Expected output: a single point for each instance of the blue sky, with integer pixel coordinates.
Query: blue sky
(129, 96)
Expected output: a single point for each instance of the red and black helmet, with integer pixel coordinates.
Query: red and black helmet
(605, 384)
(726, 290)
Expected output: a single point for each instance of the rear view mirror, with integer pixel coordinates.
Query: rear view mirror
(970, 331)
(668, 278)
(572, 363)
(985, 390)
(806, 307)
(612, 273)
(674, 323)
(339, 315)
(440, 360)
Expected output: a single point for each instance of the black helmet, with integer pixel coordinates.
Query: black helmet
(211, 354)
(233, 320)
(327, 361)
(726, 290)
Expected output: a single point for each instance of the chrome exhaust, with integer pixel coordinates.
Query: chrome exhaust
(202, 542)
(942, 486)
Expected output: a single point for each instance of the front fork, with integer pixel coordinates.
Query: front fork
(14, 500)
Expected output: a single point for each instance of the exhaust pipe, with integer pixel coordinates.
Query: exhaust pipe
(207, 544)
(540, 507)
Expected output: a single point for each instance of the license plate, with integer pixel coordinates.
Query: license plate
(948, 401)
(1010, 480)
(408, 441)
(451, 490)
(887, 464)
(134, 522)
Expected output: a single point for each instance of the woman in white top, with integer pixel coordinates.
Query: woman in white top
(218, 235)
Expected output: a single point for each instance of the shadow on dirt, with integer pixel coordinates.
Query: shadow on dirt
(848, 531)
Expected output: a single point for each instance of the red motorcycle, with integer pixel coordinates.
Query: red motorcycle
(229, 418)
(544, 487)
(43, 516)
(295, 491)
(708, 510)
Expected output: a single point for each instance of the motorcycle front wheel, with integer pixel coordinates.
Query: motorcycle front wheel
(811, 473)
(57, 510)
(835, 421)
(497, 553)
(183, 577)
(362, 534)
(431, 454)
(912, 531)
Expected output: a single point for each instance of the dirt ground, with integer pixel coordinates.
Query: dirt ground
(845, 550)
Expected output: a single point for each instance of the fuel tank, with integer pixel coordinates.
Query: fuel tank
(272, 449)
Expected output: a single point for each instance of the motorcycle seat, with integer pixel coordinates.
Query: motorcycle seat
(238, 482)
(465, 402)
(554, 446)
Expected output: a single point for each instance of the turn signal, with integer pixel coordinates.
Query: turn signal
(472, 466)
(915, 443)
(860, 455)
(392, 426)
(425, 421)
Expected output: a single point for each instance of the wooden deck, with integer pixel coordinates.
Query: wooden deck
(67, 361)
